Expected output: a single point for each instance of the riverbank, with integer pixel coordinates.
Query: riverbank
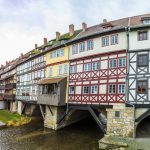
(8, 118)
(121, 143)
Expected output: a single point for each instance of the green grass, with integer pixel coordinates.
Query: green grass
(6, 116)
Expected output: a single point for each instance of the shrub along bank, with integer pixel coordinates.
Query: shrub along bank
(13, 119)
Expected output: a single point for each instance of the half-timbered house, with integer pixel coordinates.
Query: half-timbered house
(29, 72)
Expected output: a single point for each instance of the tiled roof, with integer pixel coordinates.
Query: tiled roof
(116, 25)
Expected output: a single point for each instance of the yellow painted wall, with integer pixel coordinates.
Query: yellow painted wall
(54, 67)
(57, 59)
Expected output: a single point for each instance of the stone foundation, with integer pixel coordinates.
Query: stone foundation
(51, 119)
(120, 121)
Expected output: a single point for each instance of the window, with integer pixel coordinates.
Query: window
(87, 67)
(117, 114)
(82, 47)
(59, 70)
(121, 88)
(86, 89)
(114, 39)
(105, 41)
(142, 87)
(142, 60)
(62, 52)
(89, 44)
(53, 54)
(95, 65)
(65, 69)
(94, 89)
(71, 90)
(112, 89)
(113, 63)
(75, 49)
(122, 62)
(50, 71)
(146, 21)
(73, 69)
(142, 35)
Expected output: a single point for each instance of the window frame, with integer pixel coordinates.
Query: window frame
(82, 46)
(104, 43)
(140, 65)
(142, 39)
(139, 92)
(124, 59)
(112, 88)
(116, 42)
(94, 89)
(75, 69)
(70, 89)
(112, 65)
(121, 89)
(88, 89)
(74, 49)
(87, 69)
(90, 41)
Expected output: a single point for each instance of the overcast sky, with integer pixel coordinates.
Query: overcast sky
(25, 22)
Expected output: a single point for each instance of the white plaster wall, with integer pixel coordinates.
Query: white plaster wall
(135, 44)
(102, 89)
(98, 49)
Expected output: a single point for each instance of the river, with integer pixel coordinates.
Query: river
(83, 135)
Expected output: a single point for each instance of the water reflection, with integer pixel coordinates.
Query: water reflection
(80, 136)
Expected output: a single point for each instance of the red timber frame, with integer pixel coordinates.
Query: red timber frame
(101, 76)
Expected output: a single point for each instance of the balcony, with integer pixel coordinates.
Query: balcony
(2, 87)
(50, 100)
(10, 86)
(9, 96)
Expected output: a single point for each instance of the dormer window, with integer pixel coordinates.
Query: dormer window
(107, 26)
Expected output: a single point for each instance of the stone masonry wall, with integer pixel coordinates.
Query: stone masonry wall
(120, 121)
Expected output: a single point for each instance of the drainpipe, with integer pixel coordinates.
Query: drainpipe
(67, 77)
(127, 29)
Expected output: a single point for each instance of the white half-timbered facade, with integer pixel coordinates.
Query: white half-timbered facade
(139, 63)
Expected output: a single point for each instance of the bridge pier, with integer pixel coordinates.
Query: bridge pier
(120, 121)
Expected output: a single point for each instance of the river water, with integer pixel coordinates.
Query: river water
(83, 135)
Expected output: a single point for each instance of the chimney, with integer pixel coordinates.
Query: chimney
(71, 29)
(21, 55)
(45, 41)
(36, 46)
(7, 63)
(57, 36)
(84, 26)
(104, 20)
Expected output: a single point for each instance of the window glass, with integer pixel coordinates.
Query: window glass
(95, 66)
(122, 62)
(142, 60)
(105, 41)
(65, 69)
(60, 69)
(121, 88)
(75, 49)
(87, 67)
(73, 69)
(89, 44)
(86, 89)
(112, 88)
(82, 47)
(142, 35)
(71, 90)
(113, 63)
(50, 71)
(94, 89)
(114, 39)
(142, 87)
